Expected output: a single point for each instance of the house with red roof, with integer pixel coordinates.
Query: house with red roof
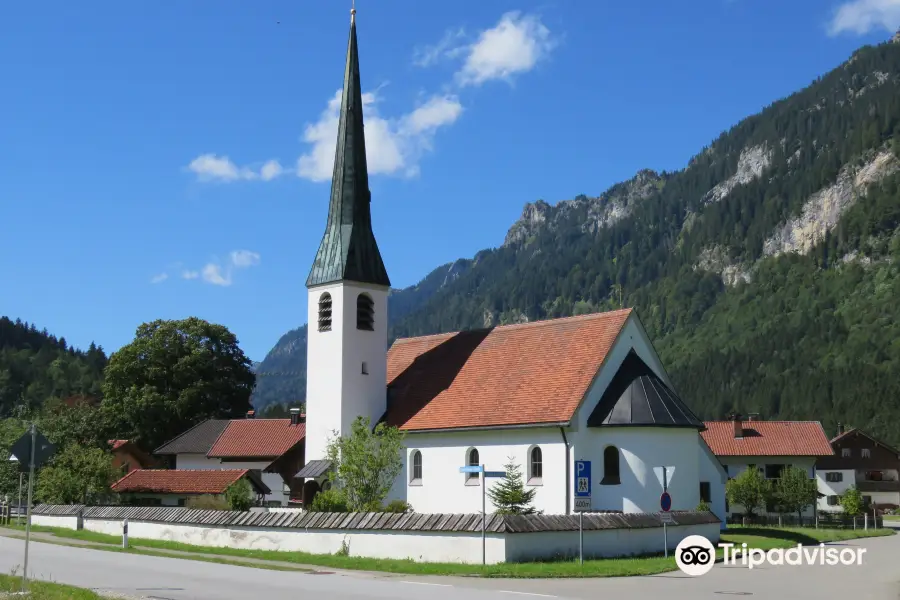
(273, 449)
(173, 487)
(127, 456)
(587, 391)
(863, 461)
(769, 446)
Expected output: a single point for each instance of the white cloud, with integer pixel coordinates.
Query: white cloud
(159, 278)
(862, 16)
(513, 46)
(212, 167)
(448, 47)
(244, 258)
(190, 274)
(393, 145)
(213, 273)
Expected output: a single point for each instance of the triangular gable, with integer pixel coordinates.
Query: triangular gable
(876, 441)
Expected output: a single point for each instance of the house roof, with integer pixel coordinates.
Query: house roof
(530, 374)
(257, 438)
(185, 481)
(768, 438)
(127, 446)
(196, 440)
(637, 397)
(857, 431)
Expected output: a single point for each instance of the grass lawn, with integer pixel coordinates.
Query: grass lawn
(892, 517)
(41, 590)
(760, 537)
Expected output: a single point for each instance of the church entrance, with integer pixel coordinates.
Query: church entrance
(310, 489)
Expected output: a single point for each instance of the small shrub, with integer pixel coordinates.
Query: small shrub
(332, 500)
(238, 495)
(704, 507)
(345, 548)
(207, 502)
(398, 506)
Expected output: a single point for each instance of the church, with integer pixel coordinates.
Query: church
(543, 394)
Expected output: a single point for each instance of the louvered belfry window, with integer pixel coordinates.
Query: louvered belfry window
(325, 312)
(365, 313)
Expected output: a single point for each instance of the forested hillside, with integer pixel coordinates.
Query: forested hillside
(766, 271)
(37, 367)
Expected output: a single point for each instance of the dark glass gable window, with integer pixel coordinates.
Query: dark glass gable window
(610, 466)
(705, 492)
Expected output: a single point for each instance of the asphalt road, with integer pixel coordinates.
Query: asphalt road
(159, 578)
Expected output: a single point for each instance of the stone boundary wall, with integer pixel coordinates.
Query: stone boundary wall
(375, 521)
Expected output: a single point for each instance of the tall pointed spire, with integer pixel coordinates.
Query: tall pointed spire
(348, 251)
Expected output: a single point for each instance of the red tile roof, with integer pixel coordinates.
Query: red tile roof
(182, 481)
(509, 375)
(257, 438)
(768, 438)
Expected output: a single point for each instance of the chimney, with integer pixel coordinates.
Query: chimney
(738, 426)
(251, 414)
(840, 429)
(295, 416)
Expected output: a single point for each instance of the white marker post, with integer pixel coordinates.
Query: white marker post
(483, 516)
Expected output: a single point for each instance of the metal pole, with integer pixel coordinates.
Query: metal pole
(28, 508)
(19, 505)
(125, 534)
(665, 530)
(581, 537)
(483, 516)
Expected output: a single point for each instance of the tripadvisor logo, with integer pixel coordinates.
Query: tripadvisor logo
(695, 555)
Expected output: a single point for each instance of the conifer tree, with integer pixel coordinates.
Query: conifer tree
(509, 495)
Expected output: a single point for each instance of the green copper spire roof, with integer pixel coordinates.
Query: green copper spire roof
(348, 251)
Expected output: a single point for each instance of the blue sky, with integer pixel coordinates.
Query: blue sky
(166, 159)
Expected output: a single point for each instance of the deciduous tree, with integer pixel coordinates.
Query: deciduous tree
(749, 489)
(794, 490)
(77, 475)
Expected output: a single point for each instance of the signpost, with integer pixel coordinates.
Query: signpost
(582, 499)
(35, 446)
(480, 469)
(665, 504)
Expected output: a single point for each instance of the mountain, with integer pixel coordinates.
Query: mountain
(37, 367)
(764, 271)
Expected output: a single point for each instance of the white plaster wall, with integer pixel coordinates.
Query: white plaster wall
(196, 461)
(737, 464)
(55, 521)
(603, 543)
(418, 546)
(883, 497)
(444, 489)
(712, 471)
(833, 488)
(337, 391)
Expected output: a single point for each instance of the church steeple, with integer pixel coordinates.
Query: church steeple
(348, 251)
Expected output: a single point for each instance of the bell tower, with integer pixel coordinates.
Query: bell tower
(346, 368)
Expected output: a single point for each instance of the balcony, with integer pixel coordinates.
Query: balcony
(878, 486)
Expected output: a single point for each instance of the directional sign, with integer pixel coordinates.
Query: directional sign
(22, 450)
(495, 473)
(665, 502)
(667, 518)
(471, 469)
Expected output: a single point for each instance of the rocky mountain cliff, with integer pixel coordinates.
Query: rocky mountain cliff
(763, 270)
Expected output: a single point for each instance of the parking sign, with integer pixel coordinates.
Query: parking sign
(582, 485)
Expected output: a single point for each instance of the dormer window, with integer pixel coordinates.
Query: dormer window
(365, 313)
(325, 312)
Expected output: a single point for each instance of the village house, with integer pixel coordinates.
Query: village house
(127, 457)
(271, 448)
(862, 461)
(769, 446)
(544, 394)
(168, 487)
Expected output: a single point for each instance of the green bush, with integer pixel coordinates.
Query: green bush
(238, 495)
(703, 507)
(207, 502)
(332, 500)
(398, 506)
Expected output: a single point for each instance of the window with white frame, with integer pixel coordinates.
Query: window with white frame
(415, 471)
(833, 500)
(834, 477)
(472, 460)
(535, 466)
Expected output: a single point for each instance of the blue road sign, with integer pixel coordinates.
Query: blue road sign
(665, 502)
(495, 473)
(471, 469)
(582, 479)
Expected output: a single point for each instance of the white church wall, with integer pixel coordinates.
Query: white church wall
(712, 471)
(443, 488)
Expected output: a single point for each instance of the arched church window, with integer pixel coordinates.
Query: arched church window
(365, 313)
(472, 460)
(325, 312)
(610, 466)
(416, 471)
(535, 465)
